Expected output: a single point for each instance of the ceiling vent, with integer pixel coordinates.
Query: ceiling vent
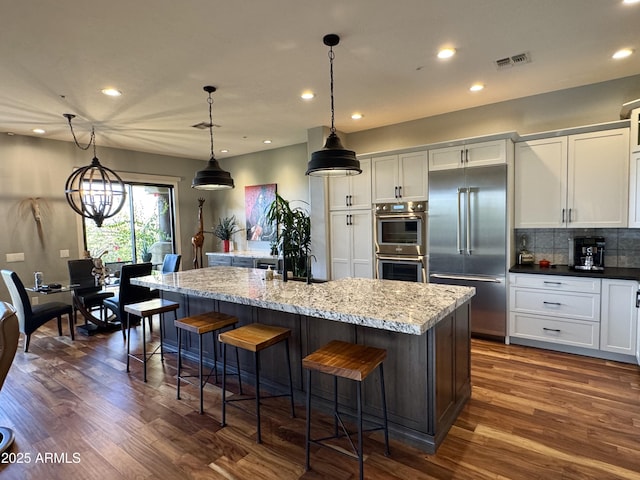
(205, 125)
(508, 62)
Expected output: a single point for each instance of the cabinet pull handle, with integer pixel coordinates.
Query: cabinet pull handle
(546, 282)
(570, 215)
(552, 303)
(346, 200)
(638, 299)
(551, 329)
(400, 191)
(466, 155)
(461, 156)
(563, 215)
(350, 200)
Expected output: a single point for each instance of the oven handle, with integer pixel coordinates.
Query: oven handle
(410, 216)
(466, 277)
(408, 258)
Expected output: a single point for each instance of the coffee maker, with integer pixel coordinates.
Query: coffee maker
(588, 253)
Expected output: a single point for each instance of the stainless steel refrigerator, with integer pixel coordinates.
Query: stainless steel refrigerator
(468, 240)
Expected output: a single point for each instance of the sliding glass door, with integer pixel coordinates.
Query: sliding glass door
(143, 231)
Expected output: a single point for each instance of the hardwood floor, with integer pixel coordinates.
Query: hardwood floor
(533, 414)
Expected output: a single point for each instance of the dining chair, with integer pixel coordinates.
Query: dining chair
(129, 293)
(86, 294)
(9, 336)
(171, 263)
(32, 317)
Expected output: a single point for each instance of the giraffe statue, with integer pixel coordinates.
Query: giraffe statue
(198, 239)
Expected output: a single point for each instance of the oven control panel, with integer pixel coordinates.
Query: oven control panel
(405, 207)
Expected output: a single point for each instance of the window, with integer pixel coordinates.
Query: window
(143, 231)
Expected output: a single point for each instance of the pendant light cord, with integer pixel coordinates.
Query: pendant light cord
(92, 139)
(210, 100)
(331, 57)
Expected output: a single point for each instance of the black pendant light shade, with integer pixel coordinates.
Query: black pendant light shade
(333, 160)
(213, 177)
(95, 192)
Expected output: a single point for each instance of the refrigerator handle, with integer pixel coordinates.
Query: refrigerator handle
(468, 221)
(458, 224)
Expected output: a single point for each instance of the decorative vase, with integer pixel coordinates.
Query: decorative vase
(225, 244)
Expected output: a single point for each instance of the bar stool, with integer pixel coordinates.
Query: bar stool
(354, 362)
(201, 324)
(254, 338)
(143, 310)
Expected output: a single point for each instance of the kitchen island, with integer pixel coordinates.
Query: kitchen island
(423, 327)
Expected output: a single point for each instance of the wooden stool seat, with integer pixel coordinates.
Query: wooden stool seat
(200, 325)
(254, 337)
(146, 309)
(353, 362)
(347, 360)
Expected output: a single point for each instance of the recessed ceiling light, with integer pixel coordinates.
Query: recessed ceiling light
(111, 92)
(356, 116)
(446, 53)
(39, 131)
(307, 95)
(624, 53)
(266, 141)
(224, 150)
(476, 87)
(629, 2)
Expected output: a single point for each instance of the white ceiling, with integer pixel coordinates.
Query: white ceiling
(55, 57)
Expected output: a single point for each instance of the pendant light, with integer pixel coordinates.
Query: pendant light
(333, 160)
(94, 191)
(212, 177)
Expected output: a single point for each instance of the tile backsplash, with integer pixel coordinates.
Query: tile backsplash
(622, 245)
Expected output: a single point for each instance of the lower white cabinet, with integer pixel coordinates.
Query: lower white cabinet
(592, 313)
(555, 309)
(351, 244)
(619, 319)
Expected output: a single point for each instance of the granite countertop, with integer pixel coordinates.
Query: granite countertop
(404, 307)
(615, 273)
(245, 254)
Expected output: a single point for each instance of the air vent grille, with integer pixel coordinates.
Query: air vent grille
(508, 62)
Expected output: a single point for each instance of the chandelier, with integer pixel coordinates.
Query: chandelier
(94, 191)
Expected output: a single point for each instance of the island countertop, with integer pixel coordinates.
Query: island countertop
(404, 307)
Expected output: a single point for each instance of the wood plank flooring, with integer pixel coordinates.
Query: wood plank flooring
(533, 414)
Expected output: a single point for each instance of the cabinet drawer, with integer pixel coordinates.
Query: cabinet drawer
(580, 306)
(556, 282)
(566, 332)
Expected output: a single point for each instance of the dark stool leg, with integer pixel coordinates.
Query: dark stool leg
(360, 457)
(224, 384)
(215, 356)
(200, 372)
(179, 361)
(144, 351)
(293, 412)
(308, 424)
(257, 359)
(160, 321)
(335, 405)
(59, 325)
(238, 367)
(384, 413)
(128, 335)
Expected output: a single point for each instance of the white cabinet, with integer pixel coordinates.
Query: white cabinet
(634, 131)
(471, 155)
(575, 181)
(351, 244)
(400, 178)
(634, 190)
(555, 309)
(352, 191)
(619, 317)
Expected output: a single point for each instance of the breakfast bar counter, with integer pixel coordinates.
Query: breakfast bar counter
(423, 327)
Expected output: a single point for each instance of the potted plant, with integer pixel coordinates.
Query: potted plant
(225, 229)
(293, 234)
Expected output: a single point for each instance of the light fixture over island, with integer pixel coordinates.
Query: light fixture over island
(423, 327)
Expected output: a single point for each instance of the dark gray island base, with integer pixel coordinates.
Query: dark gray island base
(424, 328)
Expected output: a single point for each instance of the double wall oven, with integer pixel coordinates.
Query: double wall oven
(400, 234)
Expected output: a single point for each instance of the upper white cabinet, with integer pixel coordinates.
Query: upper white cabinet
(575, 181)
(353, 191)
(400, 178)
(471, 155)
(635, 130)
(619, 317)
